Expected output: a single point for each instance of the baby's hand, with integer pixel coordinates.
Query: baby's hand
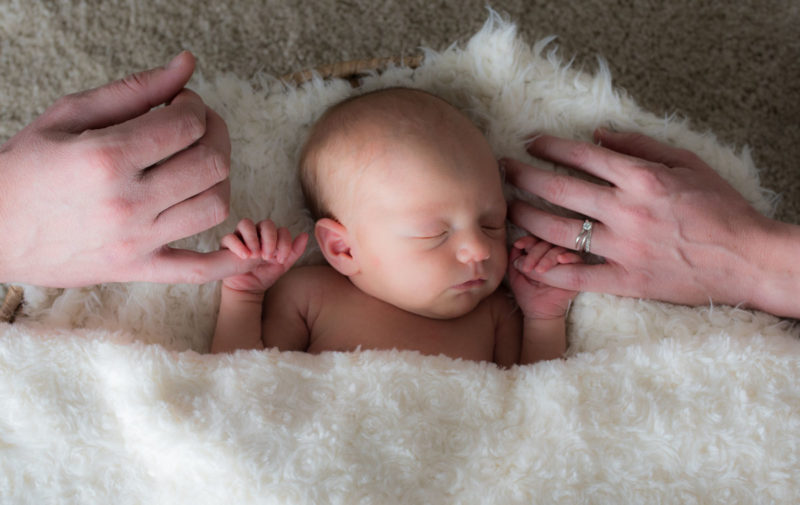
(537, 300)
(265, 242)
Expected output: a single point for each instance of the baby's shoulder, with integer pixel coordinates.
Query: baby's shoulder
(310, 278)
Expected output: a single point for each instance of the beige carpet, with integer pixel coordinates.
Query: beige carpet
(732, 67)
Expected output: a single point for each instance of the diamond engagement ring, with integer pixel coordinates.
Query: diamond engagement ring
(583, 242)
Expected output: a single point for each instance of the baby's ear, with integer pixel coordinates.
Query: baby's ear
(334, 241)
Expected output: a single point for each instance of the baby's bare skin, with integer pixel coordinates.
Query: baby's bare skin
(411, 221)
(316, 309)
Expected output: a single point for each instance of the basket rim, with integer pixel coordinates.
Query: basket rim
(353, 70)
(11, 304)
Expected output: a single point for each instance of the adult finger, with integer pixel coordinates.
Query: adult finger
(596, 160)
(600, 278)
(193, 215)
(179, 266)
(574, 194)
(193, 170)
(124, 99)
(558, 230)
(147, 139)
(646, 148)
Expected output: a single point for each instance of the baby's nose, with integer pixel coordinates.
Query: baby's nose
(473, 249)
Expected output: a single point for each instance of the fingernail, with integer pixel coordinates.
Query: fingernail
(518, 264)
(173, 63)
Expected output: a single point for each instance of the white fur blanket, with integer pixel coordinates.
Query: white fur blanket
(656, 403)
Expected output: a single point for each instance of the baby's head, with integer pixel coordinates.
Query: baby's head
(408, 201)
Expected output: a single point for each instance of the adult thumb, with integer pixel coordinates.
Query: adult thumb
(131, 96)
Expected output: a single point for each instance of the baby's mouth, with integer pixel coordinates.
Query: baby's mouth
(474, 283)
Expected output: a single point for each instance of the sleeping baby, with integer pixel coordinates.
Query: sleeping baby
(410, 216)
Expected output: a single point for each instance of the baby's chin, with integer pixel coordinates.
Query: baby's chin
(452, 307)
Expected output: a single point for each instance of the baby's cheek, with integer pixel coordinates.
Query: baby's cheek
(500, 256)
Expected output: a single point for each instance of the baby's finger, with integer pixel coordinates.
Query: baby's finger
(249, 235)
(284, 246)
(235, 245)
(298, 247)
(549, 260)
(569, 258)
(527, 262)
(269, 238)
(525, 243)
(535, 255)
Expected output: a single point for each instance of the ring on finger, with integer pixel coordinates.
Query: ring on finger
(583, 242)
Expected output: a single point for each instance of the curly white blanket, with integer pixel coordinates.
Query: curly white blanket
(656, 403)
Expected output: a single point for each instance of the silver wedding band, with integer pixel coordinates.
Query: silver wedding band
(583, 242)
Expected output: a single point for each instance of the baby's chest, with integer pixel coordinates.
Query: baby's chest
(372, 324)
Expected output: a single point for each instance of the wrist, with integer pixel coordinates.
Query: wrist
(543, 339)
(542, 325)
(774, 270)
(550, 312)
(242, 294)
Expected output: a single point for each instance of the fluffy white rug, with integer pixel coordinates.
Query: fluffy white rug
(657, 403)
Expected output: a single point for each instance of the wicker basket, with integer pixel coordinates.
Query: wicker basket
(352, 71)
(11, 304)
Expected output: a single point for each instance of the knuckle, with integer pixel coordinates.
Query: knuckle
(190, 124)
(134, 82)
(577, 280)
(122, 251)
(219, 165)
(638, 217)
(67, 105)
(120, 211)
(556, 188)
(102, 157)
(557, 230)
(197, 275)
(66, 110)
(218, 209)
(650, 181)
(580, 153)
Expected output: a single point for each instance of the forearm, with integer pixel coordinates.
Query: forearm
(238, 322)
(543, 339)
(775, 272)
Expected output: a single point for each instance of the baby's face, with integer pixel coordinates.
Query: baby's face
(429, 226)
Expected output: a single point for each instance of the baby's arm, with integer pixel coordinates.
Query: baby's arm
(273, 253)
(544, 308)
(287, 311)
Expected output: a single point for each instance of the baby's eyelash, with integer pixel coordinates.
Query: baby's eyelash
(440, 235)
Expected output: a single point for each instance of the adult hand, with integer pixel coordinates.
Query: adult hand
(668, 226)
(94, 188)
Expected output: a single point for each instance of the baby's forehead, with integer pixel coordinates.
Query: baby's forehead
(394, 111)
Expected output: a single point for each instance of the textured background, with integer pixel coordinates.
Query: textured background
(731, 67)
